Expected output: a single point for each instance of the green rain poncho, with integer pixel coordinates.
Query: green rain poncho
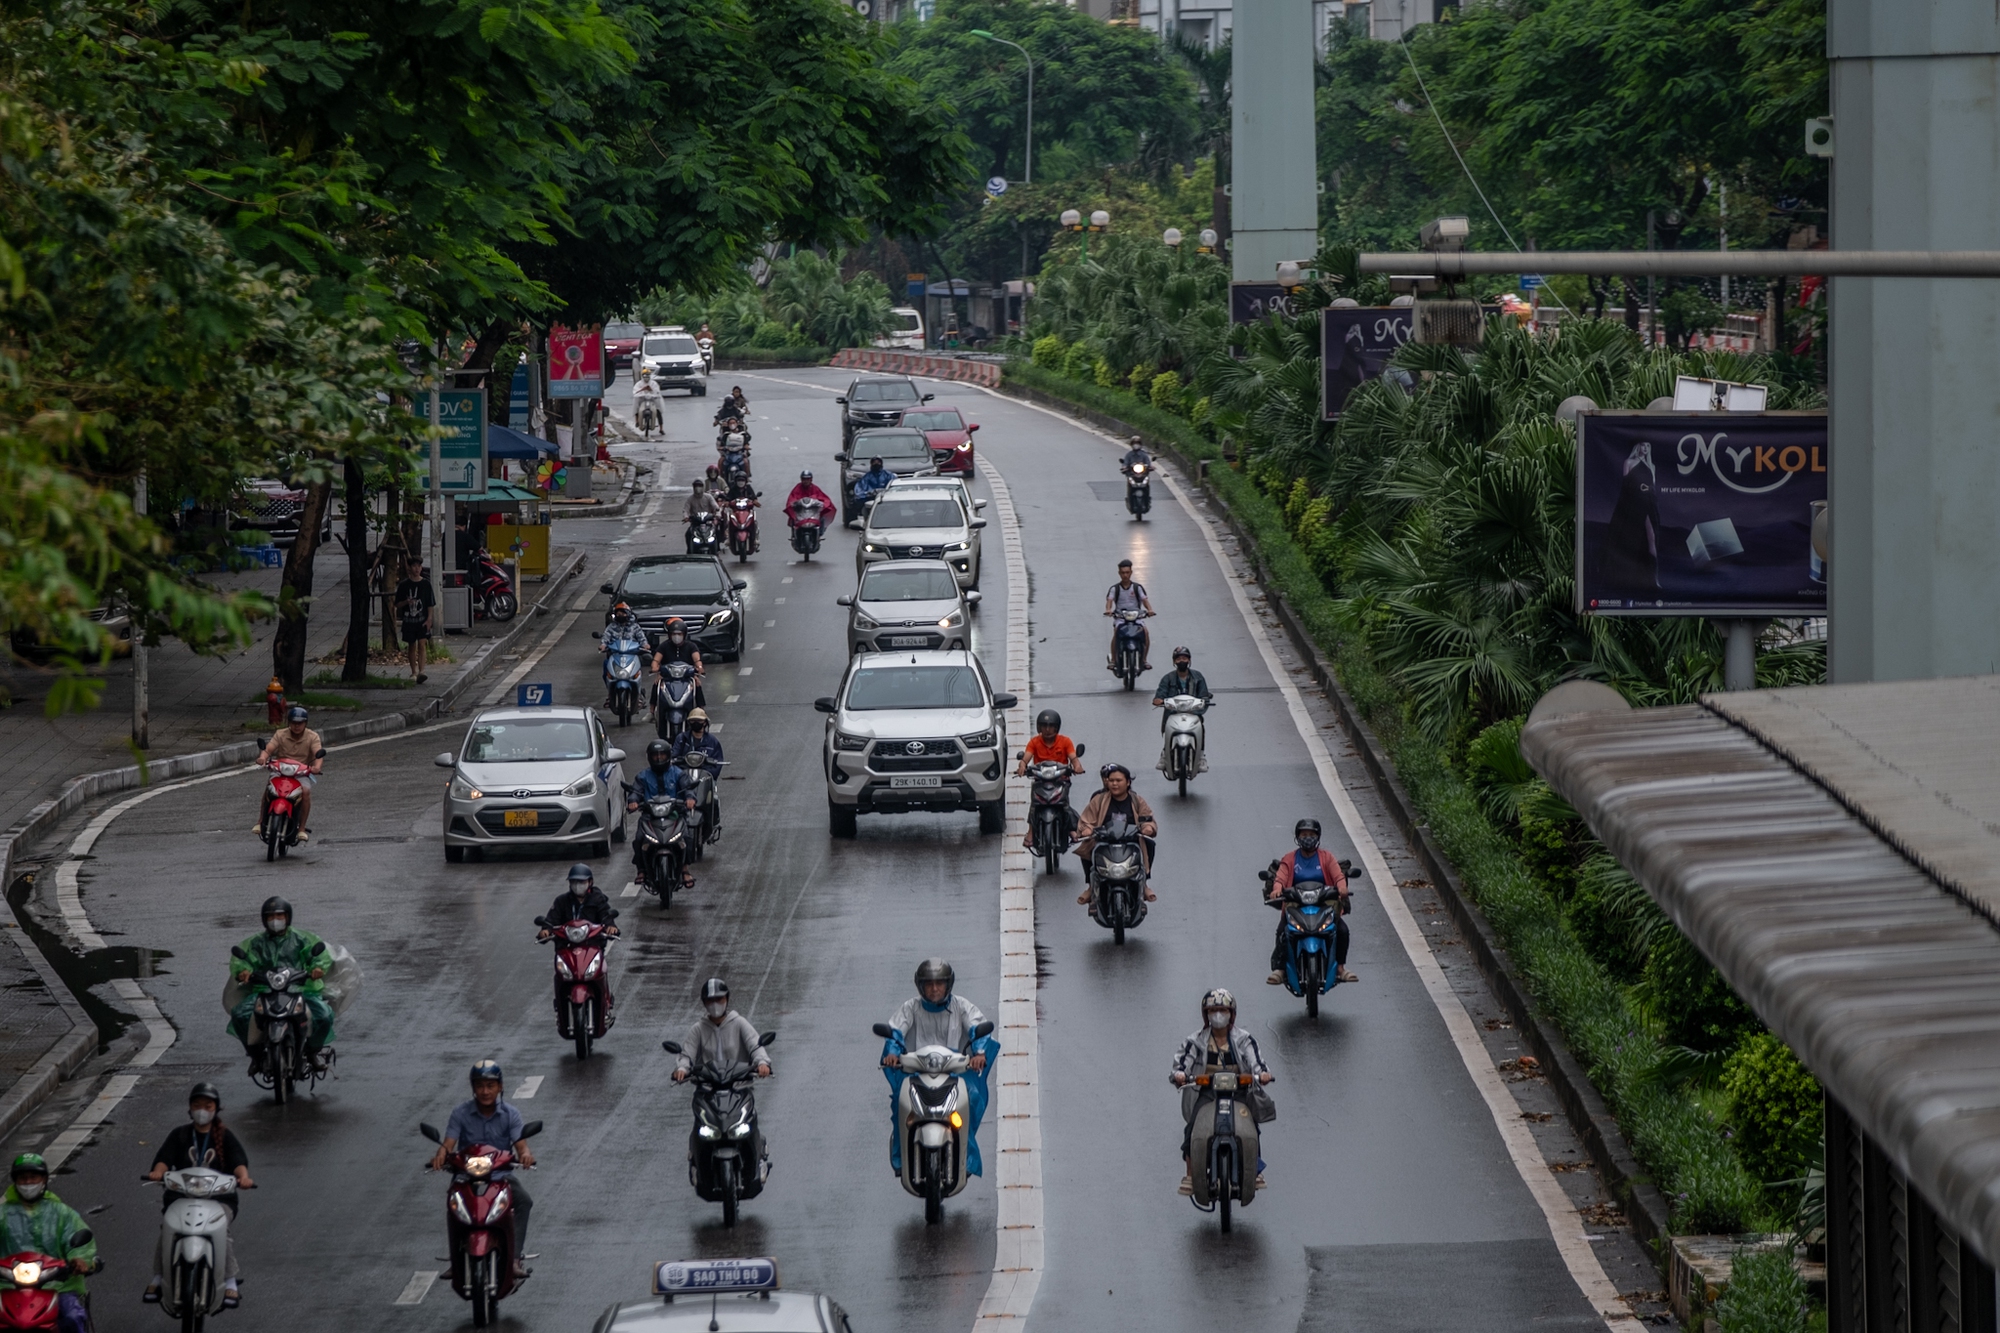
(268, 952)
(44, 1226)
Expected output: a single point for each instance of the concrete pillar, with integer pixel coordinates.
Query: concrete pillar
(1914, 515)
(1274, 204)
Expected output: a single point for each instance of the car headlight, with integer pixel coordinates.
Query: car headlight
(952, 621)
(583, 786)
(862, 620)
(966, 447)
(843, 741)
(872, 548)
(959, 546)
(722, 617)
(982, 740)
(465, 791)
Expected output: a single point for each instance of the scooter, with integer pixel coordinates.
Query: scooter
(1118, 878)
(281, 1025)
(1131, 645)
(1312, 922)
(934, 1118)
(279, 829)
(1139, 490)
(661, 843)
(492, 588)
(726, 1158)
(1186, 750)
(1222, 1150)
(742, 529)
(648, 413)
(581, 947)
(704, 535)
(675, 699)
(1051, 818)
(735, 456)
(704, 822)
(804, 517)
(624, 653)
(32, 1301)
(707, 346)
(195, 1232)
(479, 1222)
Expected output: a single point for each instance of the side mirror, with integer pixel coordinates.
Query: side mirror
(1079, 749)
(767, 1038)
(739, 584)
(317, 949)
(976, 524)
(1005, 701)
(842, 400)
(236, 951)
(826, 704)
(607, 588)
(1265, 876)
(981, 1030)
(978, 505)
(532, 1128)
(444, 760)
(843, 601)
(80, 1238)
(543, 922)
(431, 1132)
(1020, 754)
(614, 914)
(883, 1030)
(927, 397)
(972, 598)
(596, 634)
(671, 1047)
(614, 756)
(971, 426)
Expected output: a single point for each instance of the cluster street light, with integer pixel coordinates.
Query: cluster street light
(1028, 151)
(1073, 221)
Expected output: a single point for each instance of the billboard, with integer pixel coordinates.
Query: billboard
(576, 362)
(1699, 513)
(1355, 344)
(1251, 301)
(462, 450)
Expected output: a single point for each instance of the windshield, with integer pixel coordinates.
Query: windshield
(890, 444)
(909, 585)
(885, 391)
(677, 345)
(947, 420)
(527, 740)
(937, 513)
(915, 687)
(906, 321)
(665, 580)
(624, 330)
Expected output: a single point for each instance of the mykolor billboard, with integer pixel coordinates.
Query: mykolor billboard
(576, 362)
(1699, 513)
(1355, 344)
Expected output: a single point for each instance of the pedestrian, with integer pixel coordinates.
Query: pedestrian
(416, 609)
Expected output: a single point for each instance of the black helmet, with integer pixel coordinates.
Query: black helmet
(807, 475)
(580, 874)
(487, 1069)
(875, 462)
(715, 988)
(205, 1092)
(276, 906)
(1181, 652)
(296, 713)
(1306, 834)
(935, 969)
(659, 754)
(1048, 717)
(1104, 773)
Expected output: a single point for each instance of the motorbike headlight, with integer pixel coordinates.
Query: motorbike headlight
(583, 786)
(722, 617)
(980, 740)
(740, 1130)
(27, 1273)
(593, 967)
(563, 969)
(707, 1132)
(460, 1211)
(843, 741)
(952, 621)
(499, 1208)
(464, 790)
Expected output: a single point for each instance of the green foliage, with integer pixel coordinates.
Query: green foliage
(1078, 361)
(1766, 1294)
(1776, 1106)
(1142, 304)
(1164, 391)
(1101, 374)
(1050, 352)
(807, 295)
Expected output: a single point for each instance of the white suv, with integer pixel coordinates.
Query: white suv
(920, 521)
(915, 731)
(674, 358)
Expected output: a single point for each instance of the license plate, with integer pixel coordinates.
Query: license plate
(925, 780)
(523, 818)
(908, 640)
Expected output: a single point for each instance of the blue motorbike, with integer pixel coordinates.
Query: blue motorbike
(624, 658)
(1312, 922)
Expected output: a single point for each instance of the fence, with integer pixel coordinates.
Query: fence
(919, 363)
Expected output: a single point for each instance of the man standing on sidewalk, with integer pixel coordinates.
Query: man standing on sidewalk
(416, 609)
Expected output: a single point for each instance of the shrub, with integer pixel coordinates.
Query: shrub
(1076, 362)
(1139, 378)
(1049, 350)
(1297, 496)
(1777, 1108)
(1765, 1294)
(1203, 407)
(1165, 392)
(1103, 375)
(771, 335)
(1688, 997)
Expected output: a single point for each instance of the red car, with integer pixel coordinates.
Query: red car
(949, 433)
(621, 342)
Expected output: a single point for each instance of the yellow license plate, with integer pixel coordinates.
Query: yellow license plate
(523, 819)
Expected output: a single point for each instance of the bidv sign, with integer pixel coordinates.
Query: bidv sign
(1700, 513)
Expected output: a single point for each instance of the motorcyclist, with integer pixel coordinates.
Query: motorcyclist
(1047, 746)
(623, 625)
(721, 1037)
(203, 1141)
(1183, 679)
(279, 946)
(1216, 1044)
(646, 403)
(702, 501)
(741, 489)
(490, 1119)
(935, 1016)
(876, 478)
(805, 490)
(661, 779)
(1309, 863)
(1135, 456)
(742, 403)
(298, 742)
(1116, 798)
(1125, 595)
(581, 900)
(674, 645)
(34, 1220)
(697, 736)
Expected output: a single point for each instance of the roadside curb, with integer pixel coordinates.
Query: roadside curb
(619, 506)
(1584, 1107)
(60, 1060)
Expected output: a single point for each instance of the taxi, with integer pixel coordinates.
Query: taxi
(725, 1296)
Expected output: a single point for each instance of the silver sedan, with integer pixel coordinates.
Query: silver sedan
(908, 604)
(534, 777)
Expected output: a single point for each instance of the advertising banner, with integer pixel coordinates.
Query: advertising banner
(1251, 301)
(1355, 344)
(462, 451)
(576, 363)
(517, 398)
(1699, 513)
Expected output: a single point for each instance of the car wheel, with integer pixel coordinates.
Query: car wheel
(992, 816)
(598, 850)
(454, 855)
(842, 821)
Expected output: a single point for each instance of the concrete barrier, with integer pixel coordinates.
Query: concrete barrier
(931, 366)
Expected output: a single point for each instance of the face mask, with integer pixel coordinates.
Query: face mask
(1218, 1020)
(30, 1193)
(579, 887)
(716, 1008)
(201, 1118)
(1308, 843)
(276, 925)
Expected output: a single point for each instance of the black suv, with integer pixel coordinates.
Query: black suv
(877, 401)
(696, 588)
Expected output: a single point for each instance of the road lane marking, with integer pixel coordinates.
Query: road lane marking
(530, 1085)
(770, 624)
(1018, 1243)
(777, 601)
(745, 671)
(756, 647)
(631, 890)
(417, 1287)
(732, 698)
(786, 579)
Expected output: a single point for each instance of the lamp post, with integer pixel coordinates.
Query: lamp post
(1028, 154)
(1171, 238)
(1207, 246)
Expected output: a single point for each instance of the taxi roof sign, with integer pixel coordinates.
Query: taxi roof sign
(703, 1277)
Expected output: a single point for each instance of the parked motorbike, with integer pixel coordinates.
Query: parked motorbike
(581, 947)
(1051, 818)
(279, 829)
(726, 1158)
(1139, 490)
(661, 841)
(934, 1117)
(280, 1026)
(804, 518)
(624, 662)
(492, 588)
(704, 534)
(1185, 750)
(742, 528)
(1312, 920)
(1118, 877)
(674, 700)
(1131, 644)
(195, 1233)
(479, 1222)
(1222, 1153)
(705, 820)
(32, 1301)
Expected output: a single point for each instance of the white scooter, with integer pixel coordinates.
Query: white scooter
(934, 1116)
(194, 1244)
(1185, 752)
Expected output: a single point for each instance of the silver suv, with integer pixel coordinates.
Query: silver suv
(908, 604)
(915, 731)
(912, 521)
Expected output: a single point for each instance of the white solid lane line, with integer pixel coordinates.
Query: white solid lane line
(528, 1088)
(549, 641)
(631, 890)
(417, 1287)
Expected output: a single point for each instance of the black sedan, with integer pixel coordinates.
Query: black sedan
(696, 588)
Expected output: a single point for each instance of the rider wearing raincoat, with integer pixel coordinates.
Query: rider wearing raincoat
(936, 1017)
(33, 1220)
(281, 946)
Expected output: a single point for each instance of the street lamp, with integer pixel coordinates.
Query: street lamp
(1073, 221)
(1288, 276)
(1172, 237)
(1207, 245)
(1028, 155)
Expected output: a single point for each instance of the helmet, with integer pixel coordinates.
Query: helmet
(296, 713)
(1104, 774)
(659, 754)
(935, 969)
(874, 463)
(1218, 999)
(1135, 442)
(487, 1069)
(697, 715)
(622, 611)
(807, 475)
(715, 988)
(1048, 717)
(276, 906)
(698, 481)
(675, 625)
(1181, 652)
(1306, 827)
(205, 1092)
(580, 871)
(30, 1164)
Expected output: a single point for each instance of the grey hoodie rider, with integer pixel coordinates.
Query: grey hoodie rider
(950, 1027)
(1192, 1057)
(730, 1042)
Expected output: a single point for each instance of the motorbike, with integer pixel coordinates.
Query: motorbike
(1222, 1156)
(1131, 645)
(1118, 877)
(704, 534)
(280, 827)
(1186, 749)
(479, 1222)
(1139, 490)
(804, 518)
(661, 841)
(647, 410)
(195, 1234)
(624, 661)
(581, 947)
(280, 1026)
(735, 457)
(742, 528)
(707, 346)
(32, 1301)
(675, 699)
(704, 822)
(726, 1158)
(1051, 818)
(492, 588)
(1312, 918)
(934, 1118)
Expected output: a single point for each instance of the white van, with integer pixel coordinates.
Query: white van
(906, 330)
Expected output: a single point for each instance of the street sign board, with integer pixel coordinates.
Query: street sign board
(462, 451)
(1252, 301)
(702, 1277)
(1355, 344)
(996, 186)
(1530, 281)
(517, 398)
(539, 695)
(576, 362)
(1700, 513)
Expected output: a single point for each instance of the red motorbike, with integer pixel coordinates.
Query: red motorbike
(479, 1220)
(808, 518)
(492, 588)
(32, 1301)
(583, 993)
(279, 827)
(742, 528)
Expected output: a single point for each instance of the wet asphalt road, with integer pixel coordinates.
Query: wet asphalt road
(1386, 1167)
